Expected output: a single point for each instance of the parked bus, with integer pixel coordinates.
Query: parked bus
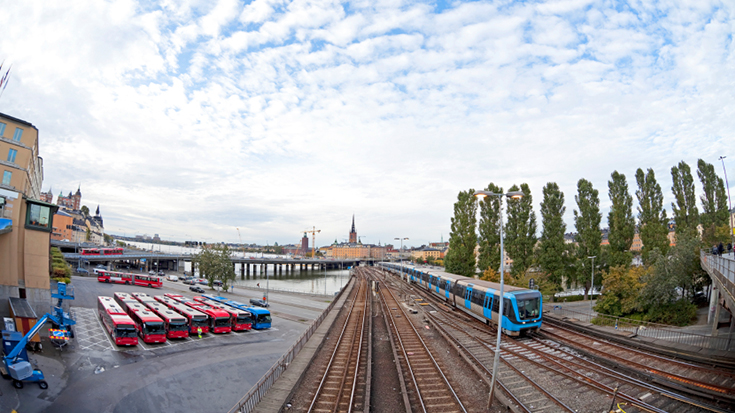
(117, 323)
(124, 300)
(102, 251)
(261, 316)
(142, 280)
(240, 320)
(151, 328)
(144, 298)
(219, 320)
(196, 318)
(177, 326)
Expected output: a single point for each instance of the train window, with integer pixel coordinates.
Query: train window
(496, 304)
(459, 289)
(477, 296)
(488, 301)
(528, 308)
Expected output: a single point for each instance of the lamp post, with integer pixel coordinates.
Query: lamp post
(729, 202)
(400, 252)
(496, 361)
(592, 287)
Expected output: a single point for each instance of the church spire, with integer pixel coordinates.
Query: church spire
(353, 233)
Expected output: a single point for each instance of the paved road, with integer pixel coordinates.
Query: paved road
(208, 374)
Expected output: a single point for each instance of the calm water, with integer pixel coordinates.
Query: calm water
(306, 281)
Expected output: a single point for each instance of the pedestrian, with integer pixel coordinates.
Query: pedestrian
(720, 249)
(729, 247)
(199, 332)
(258, 285)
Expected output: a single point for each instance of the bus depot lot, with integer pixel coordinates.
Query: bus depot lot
(209, 374)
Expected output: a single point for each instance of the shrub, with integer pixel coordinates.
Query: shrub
(679, 313)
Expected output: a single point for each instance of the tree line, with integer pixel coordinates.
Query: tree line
(661, 289)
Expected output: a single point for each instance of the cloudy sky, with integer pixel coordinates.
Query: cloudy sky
(193, 118)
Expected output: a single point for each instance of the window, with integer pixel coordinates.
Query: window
(39, 215)
(2, 129)
(18, 134)
(6, 177)
(11, 155)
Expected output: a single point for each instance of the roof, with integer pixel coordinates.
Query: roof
(20, 308)
(21, 121)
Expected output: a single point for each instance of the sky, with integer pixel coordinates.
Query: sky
(193, 119)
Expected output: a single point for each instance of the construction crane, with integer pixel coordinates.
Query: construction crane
(241, 245)
(313, 240)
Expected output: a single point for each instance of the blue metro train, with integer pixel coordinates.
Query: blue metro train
(480, 299)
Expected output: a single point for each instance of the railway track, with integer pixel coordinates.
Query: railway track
(424, 384)
(531, 364)
(343, 385)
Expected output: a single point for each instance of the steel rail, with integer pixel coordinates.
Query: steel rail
(336, 349)
(426, 348)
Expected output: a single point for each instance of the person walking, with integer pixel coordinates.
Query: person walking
(199, 332)
(720, 249)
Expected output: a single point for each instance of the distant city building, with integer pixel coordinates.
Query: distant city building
(47, 196)
(353, 233)
(353, 249)
(304, 245)
(73, 202)
(425, 252)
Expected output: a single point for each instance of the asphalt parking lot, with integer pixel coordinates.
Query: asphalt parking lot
(91, 374)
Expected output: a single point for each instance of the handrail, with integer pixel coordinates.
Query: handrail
(248, 402)
(721, 269)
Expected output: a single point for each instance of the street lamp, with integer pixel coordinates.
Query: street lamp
(400, 252)
(513, 195)
(729, 202)
(592, 288)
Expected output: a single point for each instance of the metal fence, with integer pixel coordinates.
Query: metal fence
(646, 329)
(722, 268)
(256, 393)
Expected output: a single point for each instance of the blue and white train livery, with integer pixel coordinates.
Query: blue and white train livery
(522, 307)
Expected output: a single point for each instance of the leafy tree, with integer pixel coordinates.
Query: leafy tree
(552, 254)
(620, 221)
(490, 274)
(587, 222)
(460, 258)
(651, 214)
(520, 231)
(714, 202)
(685, 209)
(489, 229)
(84, 210)
(89, 234)
(621, 286)
(214, 263)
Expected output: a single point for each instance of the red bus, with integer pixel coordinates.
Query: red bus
(150, 327)
(102, 251)
(177, 326)
(123, 300)
(196, 318)
(240, 320)
(144, 298)
(142, 280)
(177, 297)
(219, 320)
(120, 327)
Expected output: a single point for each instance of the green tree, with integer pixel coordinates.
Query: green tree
(620, 221)
(214, 263)
(520, 231)
(587, 222)
(489, 229)
(686, 214)
(621, 286)
(460, 258)
(652, 219)
(84, 210)
(88, 237)
(552, 254)
(714, 202)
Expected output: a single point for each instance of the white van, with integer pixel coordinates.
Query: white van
(172, 278)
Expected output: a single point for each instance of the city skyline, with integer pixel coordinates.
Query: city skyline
(193, 119)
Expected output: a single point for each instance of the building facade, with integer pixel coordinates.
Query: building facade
(25, 220)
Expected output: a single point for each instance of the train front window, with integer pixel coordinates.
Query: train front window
(528, 308)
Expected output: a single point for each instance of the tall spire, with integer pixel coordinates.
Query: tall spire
(353, 233)
(353, 223)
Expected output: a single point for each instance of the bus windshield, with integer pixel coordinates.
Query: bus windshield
(199, 322)
(178, 326)
(125, 330)
(528, 308)
(222, 321)
(244, 319)
(264, 318)
(154, 328)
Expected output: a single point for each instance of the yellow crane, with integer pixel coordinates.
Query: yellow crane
(313, 240)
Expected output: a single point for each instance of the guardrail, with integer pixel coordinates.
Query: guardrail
(722, 270)
(256, 393)
(646, 329)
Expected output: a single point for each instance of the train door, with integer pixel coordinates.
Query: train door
(468, 296)
(438, 282)
(487, 305)
(447, 288)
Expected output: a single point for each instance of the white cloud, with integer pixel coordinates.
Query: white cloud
(188, 119)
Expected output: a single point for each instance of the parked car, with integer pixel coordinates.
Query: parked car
(172, 277)
(189, 282)
(259, 303)
(218, 283)
(202, 281)
(151, 272)
(197, 289)
(161, 273)
(82, 271)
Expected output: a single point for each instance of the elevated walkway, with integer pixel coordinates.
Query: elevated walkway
(721, 269)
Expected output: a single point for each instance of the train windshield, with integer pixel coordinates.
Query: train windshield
(154, 328)
(125, 330)
(528, 307)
